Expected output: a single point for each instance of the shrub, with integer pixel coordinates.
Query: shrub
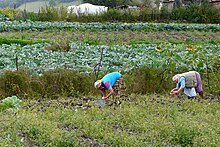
(16, 83)
(112, 15)
(60, 45)
(205, 13)
(145, 15)
(146, 80)
(70, 83)
(50, 13)
(8, 12)
(67, 83)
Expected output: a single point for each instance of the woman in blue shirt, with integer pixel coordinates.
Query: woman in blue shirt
(107, 83)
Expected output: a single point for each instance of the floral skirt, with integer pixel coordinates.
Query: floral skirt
(120, 88)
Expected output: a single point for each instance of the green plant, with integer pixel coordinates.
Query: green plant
(12, 102)
(67, 82)
(16, 83)
(8, 12)
(184, 136)
(21, 41)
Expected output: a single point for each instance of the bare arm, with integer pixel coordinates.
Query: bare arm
(174, 89)
(111, 91)
(176, 92)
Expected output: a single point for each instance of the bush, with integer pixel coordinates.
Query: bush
(8, 12)
(205, 13)
(146, 80)
(112, 15)
(69, 83)
(50, 13)
(15, 83)
(145, 15)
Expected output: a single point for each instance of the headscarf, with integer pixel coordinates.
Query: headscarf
(176, 77)
(97, 84)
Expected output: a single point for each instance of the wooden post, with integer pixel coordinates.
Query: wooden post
(16, 62)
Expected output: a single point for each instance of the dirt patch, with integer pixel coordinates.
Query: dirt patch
(91, 142)
(128, 130)
(67, 127)
(88, 102)
(71, 103)
(213, 97)
(26, 140)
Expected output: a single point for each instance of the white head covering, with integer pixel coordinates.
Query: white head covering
(97, 84)
(176, 77)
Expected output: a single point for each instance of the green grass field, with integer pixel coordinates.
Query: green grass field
(150, 120)
(36, 6)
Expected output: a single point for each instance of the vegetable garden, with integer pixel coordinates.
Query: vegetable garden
(51, 67)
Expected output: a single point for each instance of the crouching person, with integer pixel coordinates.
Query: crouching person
(190, 83)
(111, 82)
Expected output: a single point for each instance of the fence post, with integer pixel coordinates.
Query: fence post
(16, 62)
(99, 65)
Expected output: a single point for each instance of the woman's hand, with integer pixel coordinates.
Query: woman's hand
(174, 91)
(104, 98)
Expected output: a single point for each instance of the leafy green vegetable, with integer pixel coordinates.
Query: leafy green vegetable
(38, 25)
(83, 57)
(12, 102)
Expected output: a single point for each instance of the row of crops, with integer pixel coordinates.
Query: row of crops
(84, 57)
(31, 25)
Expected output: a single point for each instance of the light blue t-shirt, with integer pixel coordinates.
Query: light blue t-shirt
(110, 79)
(191, 92)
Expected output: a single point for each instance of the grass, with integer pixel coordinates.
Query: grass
(150, 120)
(116, 37)
(22, 42)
